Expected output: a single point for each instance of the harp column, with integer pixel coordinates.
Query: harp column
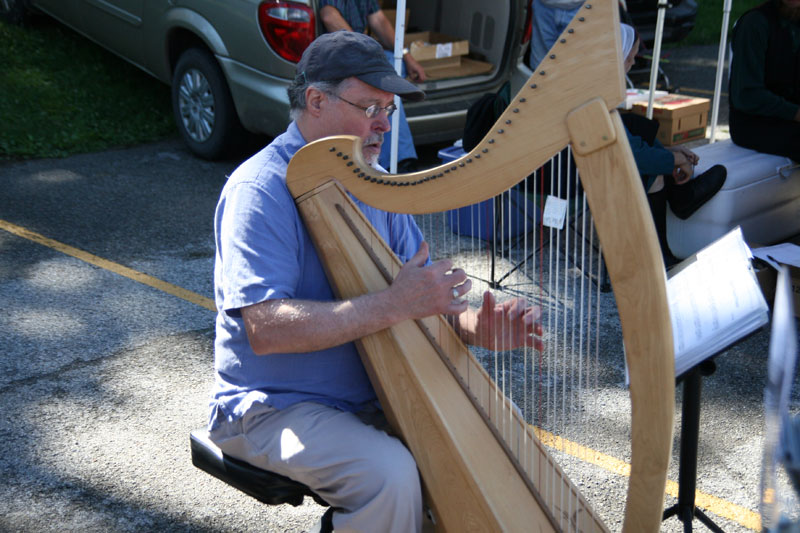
(601, 150)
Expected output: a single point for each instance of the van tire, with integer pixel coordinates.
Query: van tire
(203, 107)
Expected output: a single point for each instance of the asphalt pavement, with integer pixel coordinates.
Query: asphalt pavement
(103, 376)
(106, 284)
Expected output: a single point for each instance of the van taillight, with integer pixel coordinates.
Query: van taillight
(288, 27)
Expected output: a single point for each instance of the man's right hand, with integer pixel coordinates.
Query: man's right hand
(415, 71)
(421, 290)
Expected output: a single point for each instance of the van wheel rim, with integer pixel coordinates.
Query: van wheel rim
(196, 105)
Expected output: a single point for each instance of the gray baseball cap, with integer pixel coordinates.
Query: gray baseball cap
(344, 54)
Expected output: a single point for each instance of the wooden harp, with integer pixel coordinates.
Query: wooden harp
(435, 393)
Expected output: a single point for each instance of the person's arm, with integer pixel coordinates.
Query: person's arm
(748, 87)
(297, 326)
(384, 32)
(650, 160)
(333, 20)
(419, 290)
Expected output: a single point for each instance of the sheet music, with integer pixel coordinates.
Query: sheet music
(714, 300)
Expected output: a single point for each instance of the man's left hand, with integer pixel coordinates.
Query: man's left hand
(508, 325)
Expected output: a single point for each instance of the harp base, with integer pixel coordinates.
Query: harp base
(685, 510)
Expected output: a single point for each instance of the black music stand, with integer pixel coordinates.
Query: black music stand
(493, 281)
(685, 510)
(497, 282)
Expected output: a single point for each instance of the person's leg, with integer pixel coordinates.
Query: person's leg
(658, 208)
(405, 143)
(547, 24)
(766, 134)
(369, 477)
(543, 34)
(563, 18)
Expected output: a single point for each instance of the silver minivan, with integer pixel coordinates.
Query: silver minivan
(229, 62)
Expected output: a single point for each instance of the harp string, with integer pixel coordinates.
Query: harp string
(560, 270)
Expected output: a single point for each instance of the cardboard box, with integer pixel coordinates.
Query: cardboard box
(767, 279)
(795, 272)
(458, 69)
(795, 275)
(466, 67)
(443, 56)
(681, 118)
(431, 46)
(445, 62)
(638, 95)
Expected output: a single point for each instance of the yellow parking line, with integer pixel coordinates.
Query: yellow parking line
(718, 506)
(130, 273)
(710, 503)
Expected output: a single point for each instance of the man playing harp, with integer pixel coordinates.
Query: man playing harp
(291, 395)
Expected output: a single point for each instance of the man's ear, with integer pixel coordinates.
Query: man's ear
(314, 101)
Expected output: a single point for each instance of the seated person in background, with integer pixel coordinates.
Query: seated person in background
(357, 15)
(291, 395)
(765, 79)
(667, 173)
(549, 18)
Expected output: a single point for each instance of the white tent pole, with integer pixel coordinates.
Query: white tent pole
(723, 45)
(662, 11)
(399, 37)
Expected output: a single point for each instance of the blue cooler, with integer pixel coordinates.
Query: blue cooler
(507, 215)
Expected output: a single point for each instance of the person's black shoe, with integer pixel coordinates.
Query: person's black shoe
(685, 199)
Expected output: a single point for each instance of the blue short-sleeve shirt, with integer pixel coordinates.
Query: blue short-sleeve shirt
(263, 251)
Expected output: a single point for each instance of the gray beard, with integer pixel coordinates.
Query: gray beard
(374, 138)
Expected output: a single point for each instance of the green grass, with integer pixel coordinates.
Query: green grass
(707, 28)
(60, 94)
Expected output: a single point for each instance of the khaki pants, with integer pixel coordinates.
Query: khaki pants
(368, 476)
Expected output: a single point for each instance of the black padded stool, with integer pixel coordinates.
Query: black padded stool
(265, 486)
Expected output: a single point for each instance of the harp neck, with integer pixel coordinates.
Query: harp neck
(584, 64)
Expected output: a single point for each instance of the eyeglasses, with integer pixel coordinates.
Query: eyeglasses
(373, 110)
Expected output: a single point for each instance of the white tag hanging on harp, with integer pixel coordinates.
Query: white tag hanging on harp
(555, 212)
